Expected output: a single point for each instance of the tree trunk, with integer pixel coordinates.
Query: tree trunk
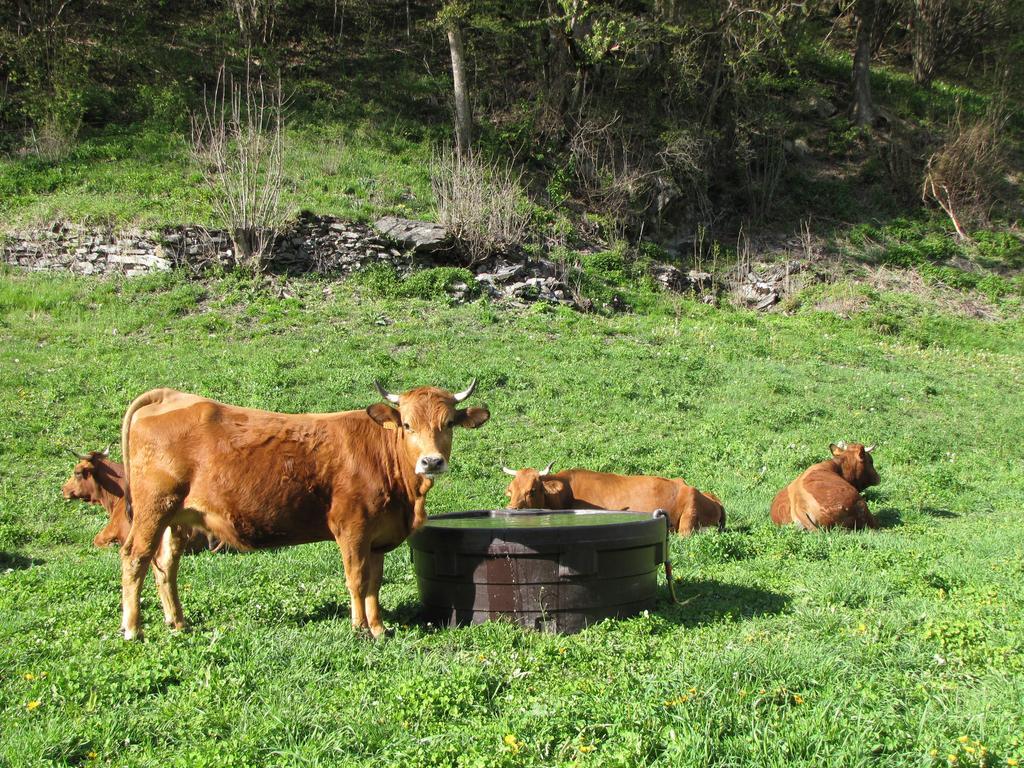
(863, 111)
(558, 61)
(463, 118)
(926, 27)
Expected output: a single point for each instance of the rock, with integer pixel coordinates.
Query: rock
(420, 236)
(758, 294)
(797, 148)
(699, 278)
(509, 272)
(668, 276)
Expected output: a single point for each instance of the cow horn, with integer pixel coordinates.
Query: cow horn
(76, 454)
(106, 451)
(546, 470)
(842, 445)
(385, 394)
(508, 471)
(460, 396)
(869, 449)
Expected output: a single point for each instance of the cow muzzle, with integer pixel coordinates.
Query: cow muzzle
(431, 466)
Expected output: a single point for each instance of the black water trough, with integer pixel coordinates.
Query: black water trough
(556, 571)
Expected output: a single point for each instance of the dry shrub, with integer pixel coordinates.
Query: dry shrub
(762, 160)
(238, 141)
(256, 20)
(965, 176)
(480, 202)
(610, 173)
(53, 139)
(937, 295)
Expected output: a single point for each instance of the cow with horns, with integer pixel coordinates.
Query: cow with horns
(257, 479)
(688, 509)
(828, 494)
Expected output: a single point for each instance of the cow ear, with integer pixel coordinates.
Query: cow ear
(471, 418)
(551, 487)
(384, 415)
(836, 450)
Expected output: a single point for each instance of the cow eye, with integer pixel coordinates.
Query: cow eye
(450, 424)
(405, 425)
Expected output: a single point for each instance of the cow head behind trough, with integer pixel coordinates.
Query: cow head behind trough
(424, 419)
(855, 464)
(526, 491)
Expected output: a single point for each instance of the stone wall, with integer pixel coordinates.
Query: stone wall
(321, 244)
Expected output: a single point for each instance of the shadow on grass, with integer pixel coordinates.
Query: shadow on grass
(406, 613)
(10, 561)
(708, 602)
(936, 512)
(888, 517)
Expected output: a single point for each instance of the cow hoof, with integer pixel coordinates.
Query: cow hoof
(179, 626)
(379, 632)
(133, 634)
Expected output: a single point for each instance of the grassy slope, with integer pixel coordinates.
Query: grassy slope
(792, 650)
(143, 176)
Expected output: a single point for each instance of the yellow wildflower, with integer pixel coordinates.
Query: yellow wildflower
(584, 748)
(933, 752)
(798, 699)
(1011, 761)
(29, 676)
(951, 758)
(91, 755)
(862, 628)
(32, 704)
(963, 739)
(481, 657)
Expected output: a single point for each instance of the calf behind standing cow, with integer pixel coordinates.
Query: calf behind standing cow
(97, 479)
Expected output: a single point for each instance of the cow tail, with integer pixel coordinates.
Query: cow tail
(146, 398)
(721, 519)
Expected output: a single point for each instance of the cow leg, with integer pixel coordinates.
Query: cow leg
(781, 514)
(136, 554)
(375, 573)
(861, 517)
(356, 555)
(165, 571)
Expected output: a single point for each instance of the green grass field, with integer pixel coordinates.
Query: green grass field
(901, 647)
(144, 176)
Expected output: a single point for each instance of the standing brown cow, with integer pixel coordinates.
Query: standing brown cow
(688, 509)
(828, 494)
(257, 479)
(98, 480)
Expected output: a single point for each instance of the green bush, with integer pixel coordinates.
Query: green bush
(434, 283)
(1000, 248)
(163, 105)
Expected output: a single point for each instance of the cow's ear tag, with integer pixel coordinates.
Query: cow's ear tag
(389, 425)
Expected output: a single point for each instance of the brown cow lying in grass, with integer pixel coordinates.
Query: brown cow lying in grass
(688, 509)
(98, 480)
(828, 494)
